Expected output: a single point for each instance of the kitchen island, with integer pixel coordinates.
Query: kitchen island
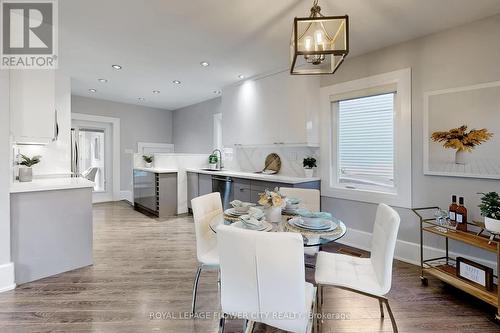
(51, 227)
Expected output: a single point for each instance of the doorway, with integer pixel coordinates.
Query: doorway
(92, 156)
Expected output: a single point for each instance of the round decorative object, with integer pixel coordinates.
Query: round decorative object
(273, 163)
(492, 225)
(273, 214)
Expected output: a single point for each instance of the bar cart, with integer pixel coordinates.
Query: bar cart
(444, 268)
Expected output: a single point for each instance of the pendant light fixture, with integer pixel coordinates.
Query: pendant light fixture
(319, 43)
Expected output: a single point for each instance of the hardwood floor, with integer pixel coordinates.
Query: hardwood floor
(144, 266)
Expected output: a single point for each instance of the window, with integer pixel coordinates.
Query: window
(366, 139)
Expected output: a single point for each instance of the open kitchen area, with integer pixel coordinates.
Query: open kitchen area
(249, 166)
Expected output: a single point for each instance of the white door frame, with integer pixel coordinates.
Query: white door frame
(115, 125)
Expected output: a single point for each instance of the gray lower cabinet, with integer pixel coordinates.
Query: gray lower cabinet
(204, 184)
(155, 193)
(241, 189)
(192, 187)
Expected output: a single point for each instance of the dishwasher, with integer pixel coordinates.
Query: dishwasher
(223, 185)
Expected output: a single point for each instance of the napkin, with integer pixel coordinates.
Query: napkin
(238, 203)
(307, 213)
(251, 220)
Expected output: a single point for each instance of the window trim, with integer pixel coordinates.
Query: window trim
(401, 79)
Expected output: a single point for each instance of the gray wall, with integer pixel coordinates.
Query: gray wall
(5, 171)
(193, 127)
(458, 57)
(137, 124)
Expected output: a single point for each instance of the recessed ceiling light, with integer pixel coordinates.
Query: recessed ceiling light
(241, 76)
(204, 63)
(92, 90)
(156, 91)
(217, 92)
(141, 99)
(102, 80)
(176, 81)
(117, 67)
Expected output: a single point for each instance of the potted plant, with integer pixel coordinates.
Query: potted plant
(461, 140)
(148, 160)
(273, 201)
(26, 171)
(490, 209)
(309, 163)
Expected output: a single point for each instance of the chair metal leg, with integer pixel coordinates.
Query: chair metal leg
(195, 288)
(250, 326)
(319, 316)
(222, 324)
(381, 308)
(393, 321)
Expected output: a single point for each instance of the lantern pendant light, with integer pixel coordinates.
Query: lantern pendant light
(319, 43)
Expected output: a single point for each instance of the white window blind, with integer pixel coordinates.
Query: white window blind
(366, 141)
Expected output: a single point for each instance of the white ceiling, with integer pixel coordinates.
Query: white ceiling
(157, 41)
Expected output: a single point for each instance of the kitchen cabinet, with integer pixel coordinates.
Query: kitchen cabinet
(32, 106)
(278, 109)
(204, 184)
(155, 192)
(192, 187)
(242, 190)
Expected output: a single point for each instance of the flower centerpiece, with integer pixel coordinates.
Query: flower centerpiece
(309, 163)
(273, 201)
(490, 209)
(462, 140)
(26, 172)
(148, 160)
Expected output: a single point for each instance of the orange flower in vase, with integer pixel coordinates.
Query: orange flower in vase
(461, 140)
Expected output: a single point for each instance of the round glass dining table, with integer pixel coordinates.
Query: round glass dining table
(311, 237)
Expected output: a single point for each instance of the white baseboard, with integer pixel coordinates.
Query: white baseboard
(126, 195)
(405, 251)
(7, 277)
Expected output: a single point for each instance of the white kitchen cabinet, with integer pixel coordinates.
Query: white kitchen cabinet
(278, 109)
(32, 106)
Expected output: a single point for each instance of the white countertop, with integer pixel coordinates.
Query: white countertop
(158, 170)
(257, 176)
(50, 184)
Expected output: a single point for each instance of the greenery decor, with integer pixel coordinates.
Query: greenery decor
(29, 162)
(309, 163)
(490, 205)
(462, 140)
(147, 158)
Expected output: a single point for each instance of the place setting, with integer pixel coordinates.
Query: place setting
(313, 222)
(245, 215)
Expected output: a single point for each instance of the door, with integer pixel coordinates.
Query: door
(92, 156)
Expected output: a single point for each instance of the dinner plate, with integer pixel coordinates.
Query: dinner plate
(252, 211)
(324, 225)
(266, 226)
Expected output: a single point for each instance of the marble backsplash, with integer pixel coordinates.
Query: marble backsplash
(252, 159)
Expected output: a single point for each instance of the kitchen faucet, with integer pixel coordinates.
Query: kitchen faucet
(219, 162)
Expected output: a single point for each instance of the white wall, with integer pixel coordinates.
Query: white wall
(458, 57)
(137, 124)
(193, 127)
(6, 267)
(56, 156)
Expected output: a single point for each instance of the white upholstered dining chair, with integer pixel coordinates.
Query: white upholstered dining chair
(310, 199)
(263, 279)
(205, 208)
(367, 276)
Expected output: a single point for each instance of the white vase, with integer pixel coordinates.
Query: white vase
(273, 214)
(148, 165)
(492, 225)
(460, 156)
(309, 172)
(25, 174)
